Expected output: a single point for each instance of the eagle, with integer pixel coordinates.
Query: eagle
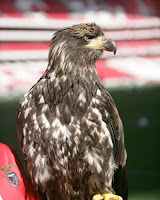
(69, 129)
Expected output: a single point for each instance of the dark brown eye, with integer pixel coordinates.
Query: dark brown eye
(88, 37)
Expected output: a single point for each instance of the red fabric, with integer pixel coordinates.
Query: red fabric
(24, 190)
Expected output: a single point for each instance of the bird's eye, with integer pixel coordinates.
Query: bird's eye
(87, 37)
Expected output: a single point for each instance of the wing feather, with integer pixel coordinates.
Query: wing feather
(115, 126)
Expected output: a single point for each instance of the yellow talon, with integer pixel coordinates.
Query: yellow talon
(97, 197)
(106, 197)
(111, 197)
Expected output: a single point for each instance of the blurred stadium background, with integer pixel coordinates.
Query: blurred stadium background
(132, 76)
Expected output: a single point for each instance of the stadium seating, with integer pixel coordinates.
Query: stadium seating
(26, 28)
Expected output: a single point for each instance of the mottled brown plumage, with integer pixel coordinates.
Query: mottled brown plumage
(69, 129)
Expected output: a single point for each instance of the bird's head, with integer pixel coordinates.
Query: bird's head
(81, 43)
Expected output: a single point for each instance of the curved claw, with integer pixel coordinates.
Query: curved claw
(107, 196)
(111, 197)
(98, 197)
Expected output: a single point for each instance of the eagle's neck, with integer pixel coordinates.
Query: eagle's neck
(65, 73)
(76, 65)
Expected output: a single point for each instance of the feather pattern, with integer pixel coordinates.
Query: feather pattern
(69, 129)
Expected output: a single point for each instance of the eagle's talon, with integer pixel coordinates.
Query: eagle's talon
(109, 196)
(98, 197)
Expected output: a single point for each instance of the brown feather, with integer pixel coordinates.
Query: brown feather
(69, 129)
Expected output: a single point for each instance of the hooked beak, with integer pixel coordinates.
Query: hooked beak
(103, 43)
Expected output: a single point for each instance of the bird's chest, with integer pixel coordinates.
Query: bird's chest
(73, 131)
(81, 133)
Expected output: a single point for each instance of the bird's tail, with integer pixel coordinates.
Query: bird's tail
(120, 182)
